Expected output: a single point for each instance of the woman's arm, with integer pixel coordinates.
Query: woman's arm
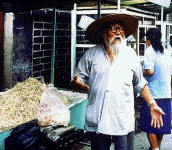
(148, 72)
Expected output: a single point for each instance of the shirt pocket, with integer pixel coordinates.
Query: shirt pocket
(126, 86)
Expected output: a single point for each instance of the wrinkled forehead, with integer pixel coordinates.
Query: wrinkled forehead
(114, 23)
(119, 23)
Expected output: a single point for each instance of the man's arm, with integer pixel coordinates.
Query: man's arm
(155, 110)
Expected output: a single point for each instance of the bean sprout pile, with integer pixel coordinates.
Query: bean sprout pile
(20, 104)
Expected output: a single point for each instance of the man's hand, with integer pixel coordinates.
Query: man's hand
(78, 85)
(156, 115)
(155, 111)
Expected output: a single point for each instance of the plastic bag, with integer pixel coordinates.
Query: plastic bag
(24, 137)
(54, 133)
(52, 110)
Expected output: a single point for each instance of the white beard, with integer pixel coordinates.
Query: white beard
(114, 48)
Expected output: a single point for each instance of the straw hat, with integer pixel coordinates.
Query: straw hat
(95, 30)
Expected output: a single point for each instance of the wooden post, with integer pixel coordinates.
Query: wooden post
(99, 9)
(162, 26)
(119, 5)
(73, 42)
(137, 41)
(53, 46)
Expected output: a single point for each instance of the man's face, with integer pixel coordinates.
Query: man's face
(114, 37)
(115, 32)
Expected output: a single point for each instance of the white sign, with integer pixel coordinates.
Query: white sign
(85, 21)
(165, 3)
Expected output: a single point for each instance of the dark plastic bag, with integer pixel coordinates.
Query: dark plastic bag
(53, 133)
(24, 137)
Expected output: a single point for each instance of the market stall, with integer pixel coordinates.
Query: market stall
(77, 101)
(22, 103)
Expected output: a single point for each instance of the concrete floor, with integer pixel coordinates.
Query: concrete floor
(141, 143)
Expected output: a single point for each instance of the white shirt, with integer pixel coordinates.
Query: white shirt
(160, 82)
(116, 107)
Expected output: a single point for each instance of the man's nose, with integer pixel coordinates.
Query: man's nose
(117, 32)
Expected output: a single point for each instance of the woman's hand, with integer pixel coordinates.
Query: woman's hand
(78, 85)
